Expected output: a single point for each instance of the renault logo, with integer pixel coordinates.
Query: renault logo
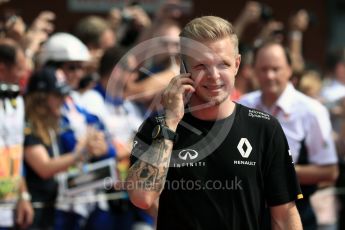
(244, 153)
(188, 153)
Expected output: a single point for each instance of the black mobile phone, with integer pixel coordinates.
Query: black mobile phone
(183, 68)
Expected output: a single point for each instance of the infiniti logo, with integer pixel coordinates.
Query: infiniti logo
(188, 153)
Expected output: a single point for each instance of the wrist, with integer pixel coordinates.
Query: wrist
(24, 196)
(165, 129)
(172, 124)
(295, 35)
(77, 157)
(172, 121)
(29, 53)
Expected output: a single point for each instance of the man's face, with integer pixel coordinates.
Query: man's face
(169, 43)
(214, 71)
(272, 70)
(13, 73)
(107, 39)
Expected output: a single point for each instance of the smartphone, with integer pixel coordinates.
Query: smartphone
(183, 68)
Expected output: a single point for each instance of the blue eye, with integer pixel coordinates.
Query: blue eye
(199, 67)
(223, 66)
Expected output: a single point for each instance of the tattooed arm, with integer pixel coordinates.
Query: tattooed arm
(147, 176)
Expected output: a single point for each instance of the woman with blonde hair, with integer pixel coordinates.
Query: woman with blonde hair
(43, 102)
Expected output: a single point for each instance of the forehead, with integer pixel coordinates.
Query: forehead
(271, 55)
(169, 30)
(222, 49)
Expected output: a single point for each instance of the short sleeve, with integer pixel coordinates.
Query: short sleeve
(142, 139)
(319, 139)
(30, 139)
(281, 183)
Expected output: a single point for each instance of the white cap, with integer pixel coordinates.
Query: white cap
(63, 47)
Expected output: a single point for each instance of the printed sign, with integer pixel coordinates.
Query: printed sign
(90, 176)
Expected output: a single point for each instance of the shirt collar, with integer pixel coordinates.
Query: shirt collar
(286, 99)
(284, 102)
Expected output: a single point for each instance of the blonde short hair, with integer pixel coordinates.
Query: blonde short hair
(210, 28)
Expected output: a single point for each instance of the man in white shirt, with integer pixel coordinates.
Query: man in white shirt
(305, 122)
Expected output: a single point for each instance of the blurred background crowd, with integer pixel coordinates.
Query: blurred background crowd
(63, 104)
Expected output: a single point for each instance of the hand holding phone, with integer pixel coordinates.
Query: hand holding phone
(176, 95)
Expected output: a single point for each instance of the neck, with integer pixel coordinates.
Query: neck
(104, 82)
(269, 99)
(205, 111)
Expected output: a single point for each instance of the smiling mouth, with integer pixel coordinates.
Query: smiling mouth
(213, 87)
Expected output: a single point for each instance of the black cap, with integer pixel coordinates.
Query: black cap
(46, 80)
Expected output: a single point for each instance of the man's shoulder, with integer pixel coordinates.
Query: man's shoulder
(309, 106)
(92, 93)
(254, 118)
(332, 90)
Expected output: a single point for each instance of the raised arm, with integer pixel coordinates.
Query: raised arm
(148, 174)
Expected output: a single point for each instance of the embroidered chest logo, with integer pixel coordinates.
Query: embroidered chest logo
(244, 147)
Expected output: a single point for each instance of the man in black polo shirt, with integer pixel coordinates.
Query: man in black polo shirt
(213, 164)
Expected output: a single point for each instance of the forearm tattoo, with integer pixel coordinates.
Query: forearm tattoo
(150, 171)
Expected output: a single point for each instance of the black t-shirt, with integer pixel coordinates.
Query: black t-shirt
(222, 176)
(44, 190)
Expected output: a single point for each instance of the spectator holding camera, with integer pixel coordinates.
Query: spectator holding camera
(129, 23)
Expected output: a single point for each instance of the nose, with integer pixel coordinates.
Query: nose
(270, 74)
(213, 72)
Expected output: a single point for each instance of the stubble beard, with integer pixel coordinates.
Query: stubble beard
(213, 101)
